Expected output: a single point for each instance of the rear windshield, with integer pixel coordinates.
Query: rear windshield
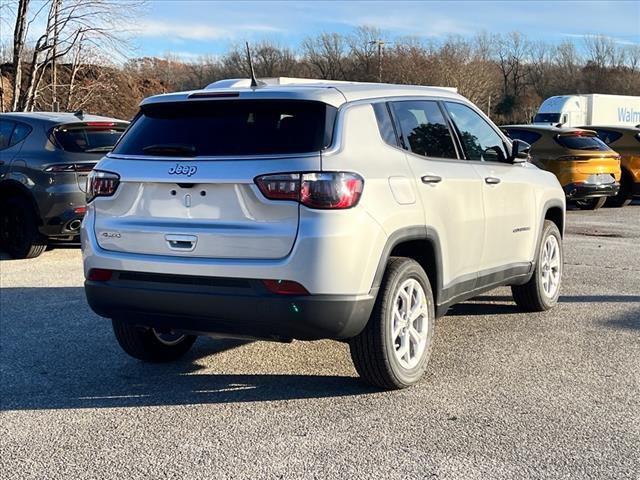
(229, 128)
(581, 142)
(88, 138)
(546, 118)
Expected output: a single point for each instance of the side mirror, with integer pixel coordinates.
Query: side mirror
(519, 151)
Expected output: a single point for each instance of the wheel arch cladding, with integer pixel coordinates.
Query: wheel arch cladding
(419, 243)
(556, 215)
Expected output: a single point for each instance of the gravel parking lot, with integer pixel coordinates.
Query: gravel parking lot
(507, 394)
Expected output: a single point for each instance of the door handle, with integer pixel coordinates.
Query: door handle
(492, 180)
(431, 179)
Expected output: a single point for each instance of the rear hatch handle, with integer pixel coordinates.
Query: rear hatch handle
(181, 243)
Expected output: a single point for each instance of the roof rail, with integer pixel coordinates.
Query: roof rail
(246, 82)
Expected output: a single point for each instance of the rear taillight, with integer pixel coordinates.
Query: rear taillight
(285, 287)
(101, 184)
(322, 190)
(70, 167)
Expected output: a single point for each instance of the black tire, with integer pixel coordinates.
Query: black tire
(591, 203)
(531, 296)
(143, 343)
(19, 235)
(373, 350)
(625, 195)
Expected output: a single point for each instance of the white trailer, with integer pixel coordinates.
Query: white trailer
(591, 109)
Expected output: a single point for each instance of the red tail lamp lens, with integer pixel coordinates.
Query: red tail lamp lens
(280, 187)
(101, 184)
(99, 275)
(285, 287)
(321, 190)
(333, 190)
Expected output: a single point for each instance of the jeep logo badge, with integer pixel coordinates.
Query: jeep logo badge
(187, 170)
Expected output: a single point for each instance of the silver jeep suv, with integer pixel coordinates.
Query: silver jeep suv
(311, 210)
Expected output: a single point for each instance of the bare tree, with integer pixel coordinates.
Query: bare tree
(326, 56)
(19, 38)
(97, 22)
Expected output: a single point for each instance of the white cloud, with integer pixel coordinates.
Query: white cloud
(430, 26)
(195, 31)
(619, 41)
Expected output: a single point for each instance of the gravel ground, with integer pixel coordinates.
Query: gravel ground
(507, 394)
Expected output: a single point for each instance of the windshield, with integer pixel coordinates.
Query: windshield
(86, 138)
(546, 118)
(581, 142)
(229, 128)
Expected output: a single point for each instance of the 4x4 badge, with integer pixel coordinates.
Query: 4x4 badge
(187, 170)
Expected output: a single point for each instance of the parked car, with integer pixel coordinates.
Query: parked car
(588, 170)
(625, 141)
(44, 162)
(355, 212)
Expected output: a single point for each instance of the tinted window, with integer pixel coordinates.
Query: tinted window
(6, 128)
(230, 127)
(384, 124)
(524, 135)
(546, 118)
(607, 136)
(581, 142)
(20, 132)
(87, 138)
(479, 140)
(424, 129)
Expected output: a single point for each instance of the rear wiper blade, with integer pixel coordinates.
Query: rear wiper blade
(171, 149)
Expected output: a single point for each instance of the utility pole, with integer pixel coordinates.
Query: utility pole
(380, 44)
(54, 70)
(489, 107)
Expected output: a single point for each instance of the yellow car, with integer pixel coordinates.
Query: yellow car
(587, 168)
(626, 141)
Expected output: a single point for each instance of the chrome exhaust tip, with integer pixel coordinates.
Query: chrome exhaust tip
(74, 225)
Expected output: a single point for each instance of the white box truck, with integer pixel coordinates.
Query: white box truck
(591, 109)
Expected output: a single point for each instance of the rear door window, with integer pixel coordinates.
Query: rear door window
(524, 135)
(96, 137)
(607, 136)
(479, 140)
(6, 129)
(580, 141)
(385, 124)
(230, 128)
(424, 129)
(20, 132)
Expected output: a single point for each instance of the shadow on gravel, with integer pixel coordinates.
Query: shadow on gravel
(626, 321)
(568, 299)
(479, 307)
(56, 354)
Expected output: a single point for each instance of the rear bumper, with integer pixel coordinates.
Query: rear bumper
(62, 213)
(227, 307)
(579, 191)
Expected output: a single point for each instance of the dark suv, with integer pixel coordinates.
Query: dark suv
(44, 161)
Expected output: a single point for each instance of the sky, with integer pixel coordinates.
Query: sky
(193, 28)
